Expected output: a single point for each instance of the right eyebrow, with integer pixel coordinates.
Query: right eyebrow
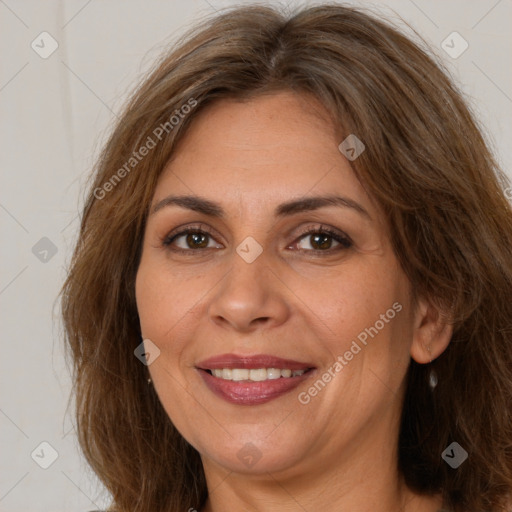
(195, 203)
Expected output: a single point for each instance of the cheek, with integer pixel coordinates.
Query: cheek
(354, 299)
(153, 291)
(148, 295)
(368, 321)
(167, 303)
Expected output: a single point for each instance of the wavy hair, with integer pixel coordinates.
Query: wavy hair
(427, 165)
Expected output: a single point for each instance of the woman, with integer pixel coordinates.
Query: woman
(291, 289)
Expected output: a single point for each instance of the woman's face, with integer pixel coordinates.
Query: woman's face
(250, 294)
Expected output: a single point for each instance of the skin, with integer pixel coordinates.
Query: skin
(296, 300)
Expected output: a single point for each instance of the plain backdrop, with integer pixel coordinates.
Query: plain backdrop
(56, 111)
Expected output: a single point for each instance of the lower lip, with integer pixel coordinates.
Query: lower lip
(252, 393)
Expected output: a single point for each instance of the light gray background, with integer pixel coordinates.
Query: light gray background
(55, 113)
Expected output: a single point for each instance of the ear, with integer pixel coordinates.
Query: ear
(432, 332)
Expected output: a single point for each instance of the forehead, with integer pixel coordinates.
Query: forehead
(266, 149)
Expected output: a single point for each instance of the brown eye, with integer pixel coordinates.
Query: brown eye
(190, 239)
(323, 240)
(196, 240)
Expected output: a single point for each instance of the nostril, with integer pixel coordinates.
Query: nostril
(261, 320)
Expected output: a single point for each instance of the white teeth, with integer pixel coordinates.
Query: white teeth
(255, 374)
(258, 375)
(239, 374)
(273, 373)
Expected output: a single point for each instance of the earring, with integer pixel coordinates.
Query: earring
(149, 381)
(432, 378)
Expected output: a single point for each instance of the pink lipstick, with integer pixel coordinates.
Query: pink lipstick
(252, 380)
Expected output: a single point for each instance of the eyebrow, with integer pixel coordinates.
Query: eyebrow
(304, 204)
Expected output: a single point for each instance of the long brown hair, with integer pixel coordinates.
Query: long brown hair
(426, 164)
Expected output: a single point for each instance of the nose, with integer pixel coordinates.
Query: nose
(250, 296)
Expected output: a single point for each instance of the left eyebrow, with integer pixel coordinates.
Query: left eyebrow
(304, 204)
(314, 203)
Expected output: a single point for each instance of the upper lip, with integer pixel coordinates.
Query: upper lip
(251, 362)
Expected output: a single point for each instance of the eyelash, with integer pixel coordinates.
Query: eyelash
(344, 240)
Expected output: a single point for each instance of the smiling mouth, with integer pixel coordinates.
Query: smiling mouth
(255, 374)
(252, 380)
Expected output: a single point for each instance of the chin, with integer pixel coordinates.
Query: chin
(256, 459)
